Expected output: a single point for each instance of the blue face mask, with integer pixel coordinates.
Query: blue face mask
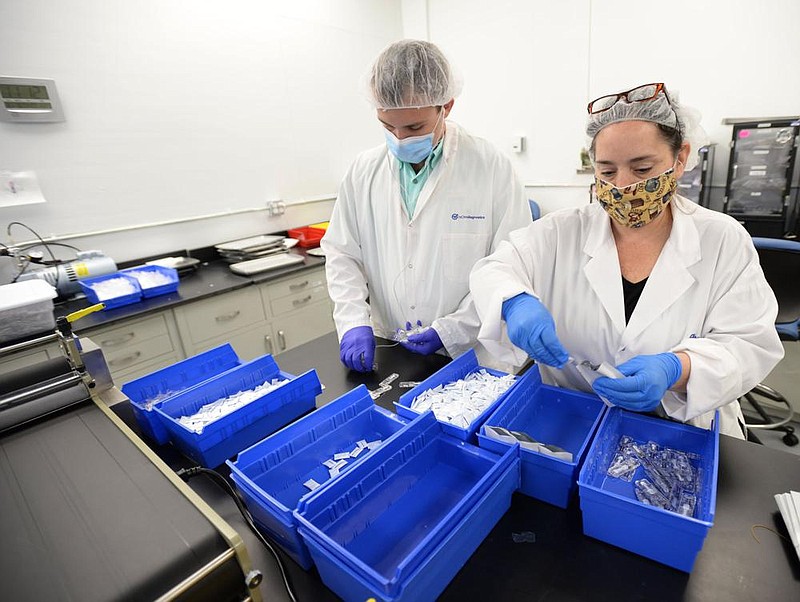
(414, 149)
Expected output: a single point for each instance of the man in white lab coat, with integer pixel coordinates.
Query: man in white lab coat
(414, 215)
(669, 292)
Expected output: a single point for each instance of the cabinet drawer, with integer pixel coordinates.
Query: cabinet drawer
(303, 283)
(23, 359)
(139, 353)
(298, 301)
(215, 317)
(126, 375)
(120, 337)
(250, 343)
(302, 326)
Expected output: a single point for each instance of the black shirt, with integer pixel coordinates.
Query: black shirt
(631, 291)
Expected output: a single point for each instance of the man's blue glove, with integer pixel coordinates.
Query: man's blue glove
(423, 343)
(647, 378)
(357, 349)
(531, 328)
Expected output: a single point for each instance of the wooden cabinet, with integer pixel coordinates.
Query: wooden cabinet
(269, 318)
(300, 309)
(138, 346)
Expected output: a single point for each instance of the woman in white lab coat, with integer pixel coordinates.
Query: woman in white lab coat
(669, 292)
(414, 215)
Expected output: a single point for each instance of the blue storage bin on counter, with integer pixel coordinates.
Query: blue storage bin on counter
(271, 474)
(170, 274)
(552, 415)
(459, 368)
(233, 432)
(611, 512)
(403, 521)
(172, 380)
(89, 286)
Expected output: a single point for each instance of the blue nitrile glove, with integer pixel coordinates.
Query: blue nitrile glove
(357, 349)
(531, 328)
(647, 378)
(423, 343)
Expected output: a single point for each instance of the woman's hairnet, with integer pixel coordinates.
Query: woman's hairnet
(670, 113)
(412, 74)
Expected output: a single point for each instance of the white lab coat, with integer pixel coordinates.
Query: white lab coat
(418, 269)
(706, 296)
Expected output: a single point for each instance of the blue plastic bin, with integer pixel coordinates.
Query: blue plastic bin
(173, 380)
(227, 436)
(401, 524)
(88, 289)
(270, 474)
(464, 364)
(554, 415)
(154, 291)
(611, 512)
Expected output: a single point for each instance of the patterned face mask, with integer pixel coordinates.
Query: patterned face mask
(639, 203)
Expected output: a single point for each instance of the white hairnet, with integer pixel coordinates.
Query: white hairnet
(412, 74)
(670, 113)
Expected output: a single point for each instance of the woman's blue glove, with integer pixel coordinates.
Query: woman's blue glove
(357, 349)
(647, 378)
(531, 328)
(424, 343)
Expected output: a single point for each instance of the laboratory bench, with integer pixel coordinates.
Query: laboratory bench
(270, 312)
(741, 559)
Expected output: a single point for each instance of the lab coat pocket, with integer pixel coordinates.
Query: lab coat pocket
(460, 252)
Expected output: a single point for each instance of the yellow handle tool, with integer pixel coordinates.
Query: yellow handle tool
(77, 315)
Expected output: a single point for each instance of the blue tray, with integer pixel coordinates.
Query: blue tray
(270, 474)
(554, 415)
(111, 303)
(464, 364)
(227, 436)
(175, 379)
(154, 291)
(403, 521)
(609, 506)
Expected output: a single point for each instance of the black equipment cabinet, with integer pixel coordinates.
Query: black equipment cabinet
(695, 184)
(758, 190)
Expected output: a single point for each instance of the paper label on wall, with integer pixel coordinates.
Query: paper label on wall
(19, 188)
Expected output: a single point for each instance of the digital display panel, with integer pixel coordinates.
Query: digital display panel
(21, 92)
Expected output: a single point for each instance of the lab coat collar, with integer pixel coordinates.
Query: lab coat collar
(450, 147)
(670, 277)
(602, 270)
(669, 280)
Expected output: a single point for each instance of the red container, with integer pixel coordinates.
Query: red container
(306, 236)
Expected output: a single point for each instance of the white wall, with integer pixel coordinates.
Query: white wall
(152, 132)
(531, 66)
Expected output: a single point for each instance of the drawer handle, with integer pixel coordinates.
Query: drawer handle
(282, 340)
(118, 341)
(302, 301)
(299, 285)
(227, 317)
(126, 359)
(268, 342)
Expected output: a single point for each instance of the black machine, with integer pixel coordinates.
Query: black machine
(759, 187)
(89, 512)
(695, 184)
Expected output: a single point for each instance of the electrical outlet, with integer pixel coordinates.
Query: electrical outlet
(276, 208)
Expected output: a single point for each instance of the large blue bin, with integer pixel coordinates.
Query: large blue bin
(402, 522)
(271, 474)
(230, 434)
(464, 364)
(171, 381)
(552, 415)
(88, 287)
(612, 513)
